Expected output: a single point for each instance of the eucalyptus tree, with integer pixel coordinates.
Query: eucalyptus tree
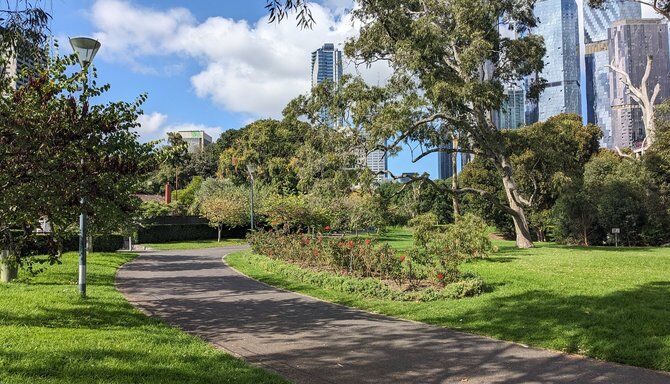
(450, 63)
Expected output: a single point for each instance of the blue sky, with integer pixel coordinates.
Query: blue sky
(212, 65)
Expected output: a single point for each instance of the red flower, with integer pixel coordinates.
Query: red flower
(402, 258)
(367, 241)
(350, 244)
(440, 276)
(306, 241)
(327, 228)
(315, 252)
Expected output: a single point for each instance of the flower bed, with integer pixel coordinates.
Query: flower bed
(362, 266)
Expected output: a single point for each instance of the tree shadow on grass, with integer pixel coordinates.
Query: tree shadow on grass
(629, 327)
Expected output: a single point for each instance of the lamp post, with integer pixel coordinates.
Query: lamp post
(85, 48)
(251, 169)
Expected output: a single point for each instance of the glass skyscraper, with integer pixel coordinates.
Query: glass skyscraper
(512, 113)
(596, 23)
(445, 165)
(326, 64)
(559, 25)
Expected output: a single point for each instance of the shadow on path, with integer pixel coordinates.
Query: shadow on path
(309, 341)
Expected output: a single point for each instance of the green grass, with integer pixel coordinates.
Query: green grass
(611, 304)
(195, 244)
(49, 335)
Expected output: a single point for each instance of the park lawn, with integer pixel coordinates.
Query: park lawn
(195, 244)
(49, 335)
(607, 303)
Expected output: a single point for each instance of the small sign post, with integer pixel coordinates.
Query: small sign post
(616, 232)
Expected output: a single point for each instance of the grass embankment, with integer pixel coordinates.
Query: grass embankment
(49, 335)
(607, 303)
(195, 244)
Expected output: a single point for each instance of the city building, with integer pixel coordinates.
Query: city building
(597, 22)
(445, 164)
(196, 140)
(558, 23)
(376, 161)
(629, 44)
(17, 62)
(512, 113)
(326, 64)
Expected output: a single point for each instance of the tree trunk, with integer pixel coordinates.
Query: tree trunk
(218, 238)
(523, 238)
(8, 270)
(454, 180)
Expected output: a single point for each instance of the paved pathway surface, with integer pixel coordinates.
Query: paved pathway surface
(310, 341)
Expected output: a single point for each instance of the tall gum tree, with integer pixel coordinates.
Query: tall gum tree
(450, 64)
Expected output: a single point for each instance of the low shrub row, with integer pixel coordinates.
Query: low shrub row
(469, 285)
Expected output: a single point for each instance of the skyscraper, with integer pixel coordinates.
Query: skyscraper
(558, 24)
(512, 113)
(445, 165)
(629, 44)
(596, 23)
(326, 64)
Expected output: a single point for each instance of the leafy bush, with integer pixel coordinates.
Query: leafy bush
(423, 228)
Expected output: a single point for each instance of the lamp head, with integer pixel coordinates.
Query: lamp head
(85, 48)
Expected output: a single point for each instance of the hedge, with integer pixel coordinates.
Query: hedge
(166, 233)
(101, 243)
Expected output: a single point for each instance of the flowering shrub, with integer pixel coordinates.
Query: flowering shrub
(433, 267)
(353, 257)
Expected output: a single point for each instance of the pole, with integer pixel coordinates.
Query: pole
(82, 220)
(82, 251)
(251, 206)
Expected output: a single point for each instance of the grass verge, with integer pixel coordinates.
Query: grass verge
(49, 335)
(195, 244)
(607, 303)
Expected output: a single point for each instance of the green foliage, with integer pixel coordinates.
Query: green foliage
(293, 213)
(75, 149)
(616, 193)
(465, 240)
(186, 197)
(228, 208)
(548, 158)
(423, 228)
(403, 202)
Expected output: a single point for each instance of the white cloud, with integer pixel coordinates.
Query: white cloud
(153, 127)
(253, 68)
(151, 123)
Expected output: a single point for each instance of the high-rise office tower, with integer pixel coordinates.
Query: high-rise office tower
(512, 113)
(629, 44)
(326, 64)
(445, 165)
(558, 24)
(596, 23)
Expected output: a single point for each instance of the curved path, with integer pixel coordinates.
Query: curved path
(310, 341)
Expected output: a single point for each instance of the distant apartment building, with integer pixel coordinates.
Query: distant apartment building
(376, 161)
(326, 64)
(196, 140)
(629, 44)
(597, 22)
(16, 63)
(558, 25)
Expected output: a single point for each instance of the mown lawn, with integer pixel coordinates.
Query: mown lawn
(607, 303)
(195, 244)
(49, 335)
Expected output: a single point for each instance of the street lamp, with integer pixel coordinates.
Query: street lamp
(251, 169)
(85, 48)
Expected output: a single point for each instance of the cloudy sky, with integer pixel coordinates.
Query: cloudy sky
(211, 65)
